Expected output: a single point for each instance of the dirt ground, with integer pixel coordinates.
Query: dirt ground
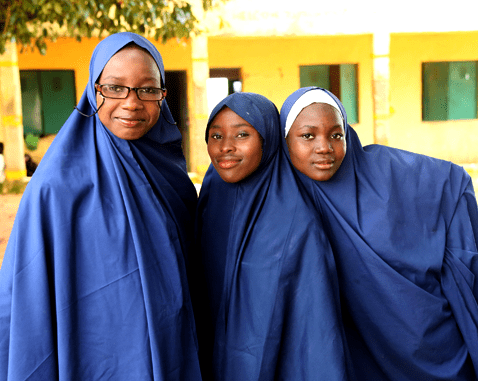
(8, 209)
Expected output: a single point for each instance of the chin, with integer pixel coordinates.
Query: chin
(324, 176)
(321, 176)
(229, 179)
(130, 135)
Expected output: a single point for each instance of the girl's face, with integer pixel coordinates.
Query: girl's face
(234, 146)
(129, 118)
(316, 141)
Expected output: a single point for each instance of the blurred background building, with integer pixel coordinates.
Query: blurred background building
(405, 71)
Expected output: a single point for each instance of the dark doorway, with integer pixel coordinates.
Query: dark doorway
(177, 97)
(233, 76)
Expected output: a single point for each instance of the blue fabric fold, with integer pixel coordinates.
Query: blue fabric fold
(270, 300)
(93, 284)
(403, 228)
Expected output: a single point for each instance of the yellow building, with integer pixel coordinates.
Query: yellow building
(407, 75)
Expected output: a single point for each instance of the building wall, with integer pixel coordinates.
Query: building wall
(450, 140)
(69, 54)
(270, 65)
(65, 54)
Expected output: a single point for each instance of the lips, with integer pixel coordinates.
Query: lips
(228, 162)
(129, 122)
(323, 164)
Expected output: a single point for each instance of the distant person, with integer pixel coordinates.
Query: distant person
(404, 231)
(93, 284)
(2, 165)
(30, 165)
(268, 268)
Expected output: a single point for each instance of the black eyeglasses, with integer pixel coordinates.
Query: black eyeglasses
(122, 92)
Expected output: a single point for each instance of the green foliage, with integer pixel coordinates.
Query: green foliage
(30, 23)
(31, 142)
(13, 186)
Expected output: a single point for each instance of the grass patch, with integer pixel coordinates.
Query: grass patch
(13, 186)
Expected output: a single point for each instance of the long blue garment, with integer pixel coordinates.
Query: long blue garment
(269, 271)
(404, 230)
(93, 284)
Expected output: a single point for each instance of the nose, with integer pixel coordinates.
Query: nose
(323, 146)
(132, 102)
(226, 145)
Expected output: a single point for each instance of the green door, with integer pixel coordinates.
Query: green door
(315, 75)
(348, 91)
(48, 99)
(341, 80)
(58, 98)
(31, 103)
(449, 90)
(435, 91)
(462, 90)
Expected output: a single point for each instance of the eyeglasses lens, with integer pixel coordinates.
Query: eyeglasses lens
(121, 92)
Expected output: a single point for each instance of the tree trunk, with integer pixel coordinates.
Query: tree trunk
(11, 114)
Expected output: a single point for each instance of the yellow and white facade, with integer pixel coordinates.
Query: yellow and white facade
(266, 43)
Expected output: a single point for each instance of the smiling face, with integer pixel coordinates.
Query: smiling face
(316, 141)
(129, 118)
(234, 146)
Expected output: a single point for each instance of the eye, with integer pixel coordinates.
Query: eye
(337, 136)
(242, 135)
(215, 136)
(149, 90)
(307, 136)
(114, 88)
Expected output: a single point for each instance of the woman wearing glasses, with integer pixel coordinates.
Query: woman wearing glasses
(93, 284)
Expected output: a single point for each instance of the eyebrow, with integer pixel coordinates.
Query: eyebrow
(235, 125)
(314, 126)
(112, 77)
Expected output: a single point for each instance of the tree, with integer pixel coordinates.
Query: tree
(31, 23)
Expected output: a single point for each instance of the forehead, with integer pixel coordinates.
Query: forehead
(227, 117)
(319, 111)
(131, 61)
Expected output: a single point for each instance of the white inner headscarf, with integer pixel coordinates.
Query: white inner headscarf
(312, 96)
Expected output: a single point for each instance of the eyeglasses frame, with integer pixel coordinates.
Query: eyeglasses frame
(98, 88)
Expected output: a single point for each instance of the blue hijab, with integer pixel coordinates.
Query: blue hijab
(93, 283)
(404, 230)
(268, 267)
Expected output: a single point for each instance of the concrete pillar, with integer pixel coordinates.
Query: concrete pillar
(199, 116)
(11, 114)
(381, 87)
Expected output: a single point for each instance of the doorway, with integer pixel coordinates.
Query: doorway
(177, 97)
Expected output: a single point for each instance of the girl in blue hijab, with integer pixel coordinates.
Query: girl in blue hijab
(404, 230)
(273, 310)
(93, 283)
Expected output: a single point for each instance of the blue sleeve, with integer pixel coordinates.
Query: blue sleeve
(460, 270)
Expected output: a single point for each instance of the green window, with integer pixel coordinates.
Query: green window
(449, 90)
(341, 80)
(48, 99)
